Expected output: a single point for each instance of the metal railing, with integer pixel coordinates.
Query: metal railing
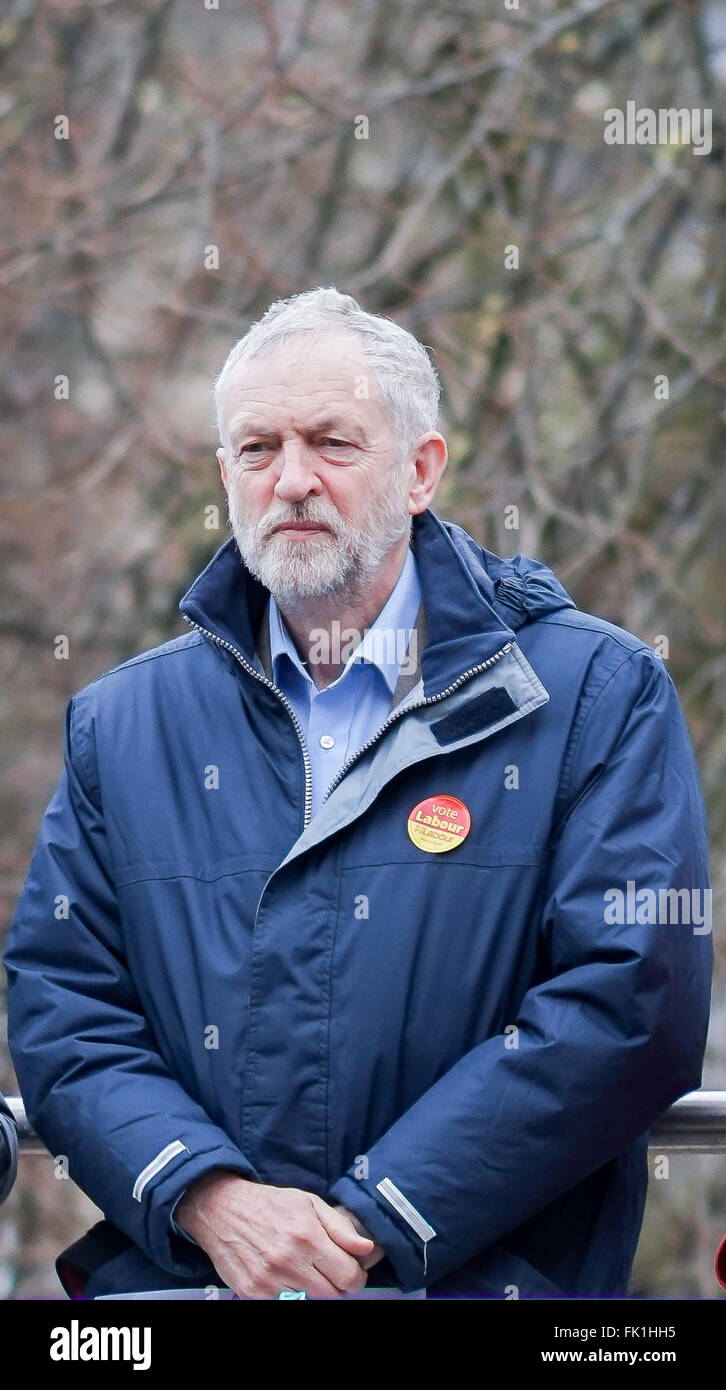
(696, 1124)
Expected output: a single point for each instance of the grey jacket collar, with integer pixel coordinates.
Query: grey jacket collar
(407, 679)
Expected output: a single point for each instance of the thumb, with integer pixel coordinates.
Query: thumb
(368, 1261)
(344, 1228)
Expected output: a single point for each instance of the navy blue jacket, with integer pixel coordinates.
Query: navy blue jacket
(464, 1047)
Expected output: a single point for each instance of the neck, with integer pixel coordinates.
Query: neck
(308, 619)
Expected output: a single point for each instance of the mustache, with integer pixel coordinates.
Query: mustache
(312, 509)
(322, 515)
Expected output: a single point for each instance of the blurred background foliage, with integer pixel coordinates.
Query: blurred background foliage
(221, 156)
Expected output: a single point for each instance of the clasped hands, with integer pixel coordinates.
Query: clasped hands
(263, 1239)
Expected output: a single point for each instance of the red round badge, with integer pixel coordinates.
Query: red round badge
(439, 823)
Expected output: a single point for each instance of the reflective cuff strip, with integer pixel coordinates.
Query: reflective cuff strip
(161, 1160)
(404, 1208)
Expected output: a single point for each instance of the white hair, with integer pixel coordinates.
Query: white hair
(400, 365)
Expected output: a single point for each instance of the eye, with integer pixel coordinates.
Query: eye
(250, 448)
(339, 443)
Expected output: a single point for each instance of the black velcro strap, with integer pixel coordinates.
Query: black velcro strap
(489, 708)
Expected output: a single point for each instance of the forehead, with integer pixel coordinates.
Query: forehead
(297, 382)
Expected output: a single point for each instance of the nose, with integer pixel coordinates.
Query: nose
(297, 477)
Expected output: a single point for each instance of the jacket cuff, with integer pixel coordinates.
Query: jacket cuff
(176, 1228)
(173, 1251)
(405, 1249)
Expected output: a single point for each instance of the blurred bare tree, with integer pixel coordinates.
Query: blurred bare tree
(171, 166)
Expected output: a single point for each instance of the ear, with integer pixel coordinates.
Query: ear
(430, 462)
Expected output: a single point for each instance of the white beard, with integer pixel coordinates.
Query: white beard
(340, 561)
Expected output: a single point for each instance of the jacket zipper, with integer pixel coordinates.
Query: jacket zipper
(281, 695)
(406, 709)
(403, 709)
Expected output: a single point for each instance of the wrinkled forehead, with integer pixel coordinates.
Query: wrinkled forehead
(303, 376)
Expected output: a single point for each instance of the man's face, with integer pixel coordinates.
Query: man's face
(316, 499)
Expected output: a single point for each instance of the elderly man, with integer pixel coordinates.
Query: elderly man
(337, 960)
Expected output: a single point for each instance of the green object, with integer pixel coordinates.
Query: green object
(292, 1293)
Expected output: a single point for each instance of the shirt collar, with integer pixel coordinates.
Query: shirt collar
(383, 645)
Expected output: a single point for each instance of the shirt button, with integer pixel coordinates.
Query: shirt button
(327, 741)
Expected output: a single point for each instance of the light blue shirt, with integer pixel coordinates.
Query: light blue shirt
(337, 720)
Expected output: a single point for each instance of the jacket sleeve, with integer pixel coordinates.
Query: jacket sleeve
(95, 1087)
(611, 1036)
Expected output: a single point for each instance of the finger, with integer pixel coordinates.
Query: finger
(368, 1261)
(341, 1282)
(340, 1228)
(341, 1269)
(312, 1279)
(259, 1280)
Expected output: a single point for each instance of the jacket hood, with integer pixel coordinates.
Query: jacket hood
(520, 590)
